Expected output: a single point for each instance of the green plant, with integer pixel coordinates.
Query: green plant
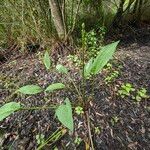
(126, 90)
(97, 130)
(108, 66)
(79, 110)
(101, 34)
(40, 139)
(46, 60)
(91, 43)
(111, 77)
(94, 66)
(77, 140)
(75, 59)
(55, 136)
(8, 109)
(55, 148)
(114, 120)
(141, 94)
(94, 41)
(64, 114)
(64, 111)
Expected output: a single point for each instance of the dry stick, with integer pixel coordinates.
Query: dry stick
(89, 129)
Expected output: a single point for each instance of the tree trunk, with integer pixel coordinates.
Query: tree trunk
(57, 18)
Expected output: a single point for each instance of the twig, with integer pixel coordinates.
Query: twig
(89, 129)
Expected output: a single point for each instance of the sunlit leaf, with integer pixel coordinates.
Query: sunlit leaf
(103, 57)
(61, 69)
(8, 109)
(64, 114)
(30, 89)
(47, 61)
(55, 86)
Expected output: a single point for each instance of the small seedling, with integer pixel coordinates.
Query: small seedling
(79, 110)
(40, 139)
(91, 43)
(114, 120)
(78, 140)
(141, 94)
(148, 109)
(97, 130)
(56, 148)
(111, 77)
(94, 41)
(75, 59)
(108, 66)
(126, 90)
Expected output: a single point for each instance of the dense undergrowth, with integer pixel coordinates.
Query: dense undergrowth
(31, 22)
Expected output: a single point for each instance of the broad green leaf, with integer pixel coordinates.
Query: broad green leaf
(30, 89)
(47, 61)
(64, 114)
(61, 69)
(103, 57)
(55, 86)
(8, 109)
(88, 67)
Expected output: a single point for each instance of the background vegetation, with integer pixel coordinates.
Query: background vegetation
(26, 21)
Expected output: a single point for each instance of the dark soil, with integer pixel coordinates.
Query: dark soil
(130, 131)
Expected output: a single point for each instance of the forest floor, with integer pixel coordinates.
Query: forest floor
(116, 122)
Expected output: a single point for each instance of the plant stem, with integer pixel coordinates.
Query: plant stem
(83, 60)
(39, 108)
(83, 78)
(54, 137)
(79, 93)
